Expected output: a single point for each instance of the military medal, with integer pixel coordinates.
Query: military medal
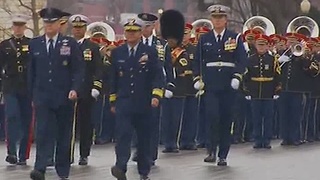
(65, 50)
(25, 48)
(143, 59)
(230, 44)
(87, 54)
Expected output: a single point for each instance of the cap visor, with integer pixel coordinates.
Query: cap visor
(18, 23)
(132, 28)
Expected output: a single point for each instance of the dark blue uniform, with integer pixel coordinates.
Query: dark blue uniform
(218, 61)
(13, 61)
(263, 83)
(53, 73)
(135, 79)
(189, 122)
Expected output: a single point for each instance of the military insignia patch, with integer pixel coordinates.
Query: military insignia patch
(191, 56)
(230, 44)
(87, 54)
(183, 61)
(65, 50)
(65, 63)
(143, 59)
(25, 48)
(266, 67)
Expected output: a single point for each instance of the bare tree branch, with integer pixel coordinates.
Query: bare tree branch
(25, 6)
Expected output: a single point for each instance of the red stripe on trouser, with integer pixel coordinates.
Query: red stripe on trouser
(30, 136)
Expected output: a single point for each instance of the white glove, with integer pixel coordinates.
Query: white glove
(235, 83)
(168, 93)
(248, 97)
(95, 93)
(199, 85)
(276, 97)
(283, 59)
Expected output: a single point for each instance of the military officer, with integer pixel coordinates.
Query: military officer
(219, 64)
(136, 82)
(263, 85)
(91, 86)
(64, 23)
(55, 77)
(189, 117)
(173, 107)
(165, 58)
(18, 110)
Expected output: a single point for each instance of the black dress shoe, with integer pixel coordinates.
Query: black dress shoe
(11, 159)
(64, 178)
(118, 173)
(83, 161)
(284, 143)
(210, 159)
(144, 178)
(22, 163)
(169, 150)
(222, 162)
(257, 146)
(37, 175)
(267, 146)
(153, 163)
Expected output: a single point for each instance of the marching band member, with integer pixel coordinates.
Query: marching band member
(249, 41)
(18, 110)
(218, 67)
(201, 131)
(173, 107)
(263, 85)
(91, 85)
(136, 82)
(295, 81)
(189, 117)
(56, 72)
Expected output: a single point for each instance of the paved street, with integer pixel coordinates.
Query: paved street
(280, 163)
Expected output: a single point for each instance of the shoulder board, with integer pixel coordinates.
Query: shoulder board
(252, 55)
(177, 52)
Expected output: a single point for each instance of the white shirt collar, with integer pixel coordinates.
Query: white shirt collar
(54, 38)
(216, 34)
(135, 48)
(80, 41)
(149, 40)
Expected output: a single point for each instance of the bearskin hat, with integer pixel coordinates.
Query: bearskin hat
(172, 25)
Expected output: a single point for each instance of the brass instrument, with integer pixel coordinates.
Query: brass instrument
(304, 25)
(261, 24)
(200, 23)
(101, 30)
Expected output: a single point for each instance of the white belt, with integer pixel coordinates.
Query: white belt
(220, 64)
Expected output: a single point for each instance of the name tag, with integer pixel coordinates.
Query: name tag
(65, 50)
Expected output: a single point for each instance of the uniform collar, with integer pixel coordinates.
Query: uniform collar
(54, 38)
(135, 48)
(80, 41)
(221, 34)
(150, 38)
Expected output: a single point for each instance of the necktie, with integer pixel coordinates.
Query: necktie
(219, 38)
(50, 47)
(146, 42)
(131, 52)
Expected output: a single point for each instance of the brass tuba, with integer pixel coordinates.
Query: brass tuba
(259, 23)
(200, 23)
(101, 29)
(303, 25)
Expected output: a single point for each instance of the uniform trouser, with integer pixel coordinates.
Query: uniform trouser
(155, 132)
(104, 121)
(304, 123)
(239, 117)
(219, 109)
(189, 122)
(2, 122)
(290, 104)
(262, 115)
(276, 120)
(201, 130)
(171, 121)
(312, 124)
(54, 124)
(126, 123)
(83, 117)
(248, 130)
(18, 110)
